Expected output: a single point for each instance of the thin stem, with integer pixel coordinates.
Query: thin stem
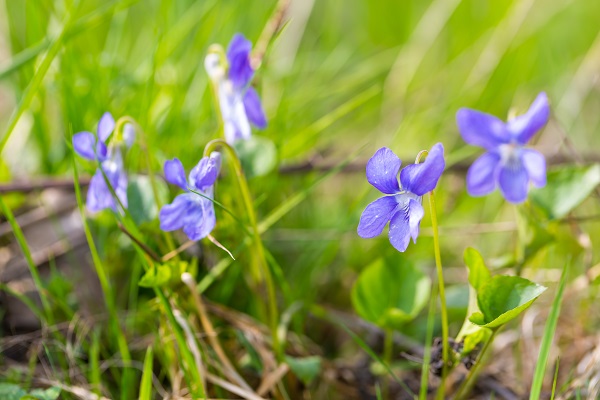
(109, 297)
(388, 345)
(258, 245)
(442, 292)
(468, 383)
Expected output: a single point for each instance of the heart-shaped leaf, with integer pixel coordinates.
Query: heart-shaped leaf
(257, 154)
(503, 298)
(140, 198)
(566, 188)
(306, 368)
(390, 295)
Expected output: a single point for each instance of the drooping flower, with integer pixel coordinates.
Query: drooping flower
(239, 102)
(401, 206)
(191, 211)
(95, 147)
(506, 164)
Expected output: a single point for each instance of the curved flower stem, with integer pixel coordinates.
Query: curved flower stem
(118, 131)
(442, 292)
(258, 245)
(469, 381)
(106, 286)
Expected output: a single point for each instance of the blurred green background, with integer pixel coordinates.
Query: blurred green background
(342, 77)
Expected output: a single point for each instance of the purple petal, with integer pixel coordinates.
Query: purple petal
(481, 177)
(175, 215)
(400, 230)
(422, 178)
(236, 125)
(415, 215)
(514, 180)
(382, 171)
(254, 110)
(99, 194)
(525, 126)
(84, 143)
(376, 216)
(238, 56)
(481, 129)
(198, 227)
(105, 126)
(535, 164)
(174, 173)
(205, 173)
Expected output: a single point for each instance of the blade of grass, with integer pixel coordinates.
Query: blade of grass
(47, 317)
(35, 83)
(94, 356)
(146, 384)
(540, 368)
(555, 380)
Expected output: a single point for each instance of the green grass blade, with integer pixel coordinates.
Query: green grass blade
(555, 380)
(94, 356)
(540, 368)
(146, 385)
(36, 82)
(109, 297)
(37, 280)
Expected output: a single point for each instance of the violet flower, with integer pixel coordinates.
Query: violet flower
(402, 205)
(94, 147)
(190, 211)
(507, 164)
(239, 102)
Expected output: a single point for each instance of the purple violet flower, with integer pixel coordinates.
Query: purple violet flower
(94, 147)
(402, 205)
(507, 163)
(190, 211)
(239, 102)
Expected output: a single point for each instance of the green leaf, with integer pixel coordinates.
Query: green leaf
(140, 198)
(9, 391)
(478, 272)
(566, 188)
(40, 394)
(503, 298)
(258, 155)
(156, 276)
(306, 368)
(390, 295)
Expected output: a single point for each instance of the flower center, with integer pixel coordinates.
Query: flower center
(510, 155)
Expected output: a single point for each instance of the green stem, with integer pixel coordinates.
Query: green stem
(258, 245)
(442, 292)
(107, 291)
(468, 383)
(119, 126)
(388, 345)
